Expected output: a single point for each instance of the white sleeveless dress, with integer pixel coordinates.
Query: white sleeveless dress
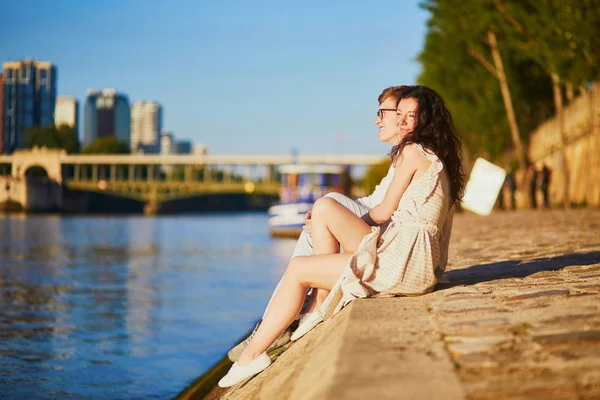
(411, 255)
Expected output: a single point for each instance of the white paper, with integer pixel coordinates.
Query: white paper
(482, 189)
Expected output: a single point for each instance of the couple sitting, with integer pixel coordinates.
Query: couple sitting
(395, 241)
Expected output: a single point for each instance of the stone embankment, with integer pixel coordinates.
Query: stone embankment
(571, 140)
(519, 320)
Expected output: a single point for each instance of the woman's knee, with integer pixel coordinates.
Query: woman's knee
(296, 271)
(322, 206)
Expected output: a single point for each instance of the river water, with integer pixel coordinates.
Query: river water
(127, 307)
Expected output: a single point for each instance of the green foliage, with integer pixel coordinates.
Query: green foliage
(559, 35)
(63, 137)
(106, 145)
(374, 174)
(536, 38)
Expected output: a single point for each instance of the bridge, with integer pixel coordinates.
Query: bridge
(154, 179)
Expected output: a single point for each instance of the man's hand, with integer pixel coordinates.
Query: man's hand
(307, 222)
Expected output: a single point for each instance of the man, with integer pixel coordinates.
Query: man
(533, 185)
(386, 122)
(544, 184)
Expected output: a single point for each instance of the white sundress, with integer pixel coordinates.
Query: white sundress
(410, 256)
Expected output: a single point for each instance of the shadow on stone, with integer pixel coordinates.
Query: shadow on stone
(516, 268)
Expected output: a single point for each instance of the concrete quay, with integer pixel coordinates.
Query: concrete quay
(520, 319)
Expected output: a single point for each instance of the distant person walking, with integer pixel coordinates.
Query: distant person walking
(511, 185)
(533, 185)
(544, 184)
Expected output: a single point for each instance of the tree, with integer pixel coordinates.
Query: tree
(68, 138)
(558, 37)
(63, 137)
(106, 145)
(554, 37)
(474, 25)
(502, 65)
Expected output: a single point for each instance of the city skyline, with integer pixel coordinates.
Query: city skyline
(31, 101)
(260, 78)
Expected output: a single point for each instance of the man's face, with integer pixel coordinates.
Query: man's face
(386, 121)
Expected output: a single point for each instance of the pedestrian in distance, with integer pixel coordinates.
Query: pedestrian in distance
(545, 184)
(533, 185)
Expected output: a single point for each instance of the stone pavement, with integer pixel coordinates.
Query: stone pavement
(525, 321)
(519, 320)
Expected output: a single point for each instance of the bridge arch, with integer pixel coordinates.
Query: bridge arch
(47, 159)
(35, 171)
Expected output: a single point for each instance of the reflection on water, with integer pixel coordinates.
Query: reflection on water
(130, 307)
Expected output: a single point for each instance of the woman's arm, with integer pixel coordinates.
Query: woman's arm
(407, 164)
(377, 196)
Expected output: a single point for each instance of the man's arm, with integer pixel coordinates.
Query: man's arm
(378, 194)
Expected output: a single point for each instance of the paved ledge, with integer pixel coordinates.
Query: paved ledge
(520, 319)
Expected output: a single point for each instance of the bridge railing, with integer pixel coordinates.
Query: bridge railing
(147, 159)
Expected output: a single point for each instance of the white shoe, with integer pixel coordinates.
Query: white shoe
(304, 317)
(238, 373)
(309, 321)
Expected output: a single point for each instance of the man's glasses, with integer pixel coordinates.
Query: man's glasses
(381, 111)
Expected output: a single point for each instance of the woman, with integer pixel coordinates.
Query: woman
(386, 122)
(407, 258)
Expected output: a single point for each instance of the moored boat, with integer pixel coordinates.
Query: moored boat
(301, 185)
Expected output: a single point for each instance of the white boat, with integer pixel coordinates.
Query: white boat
(301, 185)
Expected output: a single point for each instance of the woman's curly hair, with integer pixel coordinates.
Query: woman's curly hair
(434, 130)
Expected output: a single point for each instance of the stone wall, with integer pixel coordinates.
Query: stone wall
(38, 194)
(581, 122)
(13, 193)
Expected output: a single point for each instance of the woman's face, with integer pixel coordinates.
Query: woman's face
(386, 121)
(406, 116)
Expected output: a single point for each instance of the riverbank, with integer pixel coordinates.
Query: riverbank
(520, 319)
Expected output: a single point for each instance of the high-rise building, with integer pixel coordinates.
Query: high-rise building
(199, 149)
(183, 147)
(66, 112)
(146, 124)
(106, 114)
(29, 99)
(167, 142)
(167, 147)
(1, 112)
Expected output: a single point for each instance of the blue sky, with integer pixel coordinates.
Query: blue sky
(243, 77)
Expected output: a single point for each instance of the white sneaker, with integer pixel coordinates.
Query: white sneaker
(304, 317)
(308, 321)
(238, 373)
(282, 340)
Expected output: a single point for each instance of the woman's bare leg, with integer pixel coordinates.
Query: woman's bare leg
(302, 272)
(334, 225)
(304, 245)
